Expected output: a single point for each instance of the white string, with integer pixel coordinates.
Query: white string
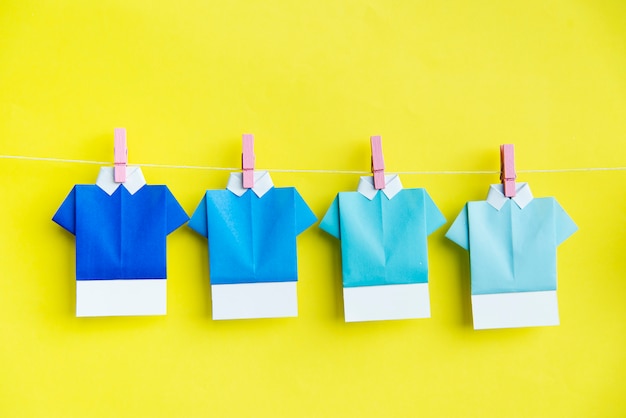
(279, 170)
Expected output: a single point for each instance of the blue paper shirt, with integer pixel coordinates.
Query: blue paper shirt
(383, 241)
(512, 249)
(252, 239)
(120, 236)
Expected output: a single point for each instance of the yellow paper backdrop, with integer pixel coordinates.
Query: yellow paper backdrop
(444, 83)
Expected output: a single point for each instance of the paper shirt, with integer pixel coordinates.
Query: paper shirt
(383, 239)
(121, 234)
(252, 245)
(384, 250)
(252, 232)
(512, 242)
(512, 247)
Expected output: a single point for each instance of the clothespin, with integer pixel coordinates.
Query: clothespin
(378, 163)
(121, 155)
(507, 169)
(247, 161)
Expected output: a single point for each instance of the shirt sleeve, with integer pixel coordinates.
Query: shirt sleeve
(304, 215)
(459, 231)
(66, 214)
(434, 217)
(176, 215)
(198, 221)
(330, 222)
(565, 226)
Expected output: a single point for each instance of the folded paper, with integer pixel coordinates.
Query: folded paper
(512, 247)
(252, 240)
(383, 237)
(121, 231)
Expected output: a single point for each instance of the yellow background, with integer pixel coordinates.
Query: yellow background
(443, 82)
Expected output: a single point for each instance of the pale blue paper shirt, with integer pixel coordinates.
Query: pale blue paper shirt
(512, 241)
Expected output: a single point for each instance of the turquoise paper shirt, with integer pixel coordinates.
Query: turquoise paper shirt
(512, 241)
(383, 240)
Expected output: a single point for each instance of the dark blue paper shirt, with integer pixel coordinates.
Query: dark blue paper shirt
(123, 235)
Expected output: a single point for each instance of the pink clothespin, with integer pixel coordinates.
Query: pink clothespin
(507, 169)
(121, 155)
(247, 161)
(378, 163)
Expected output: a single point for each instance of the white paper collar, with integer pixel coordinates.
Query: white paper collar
(262, 183)
(393, 185)
(497, 199)
(134, 180)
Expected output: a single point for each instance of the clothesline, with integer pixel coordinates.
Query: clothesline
(210, 168)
